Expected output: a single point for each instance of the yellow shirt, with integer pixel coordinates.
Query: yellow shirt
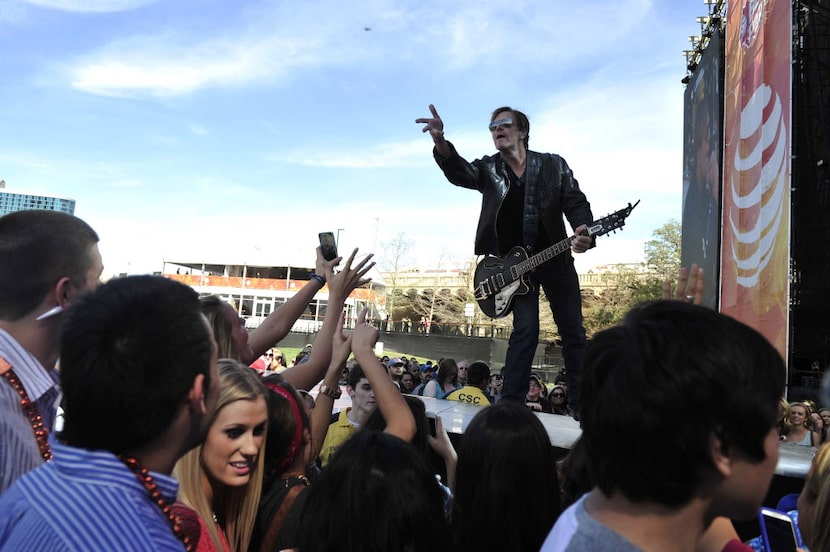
(338, 432)
(470, 395)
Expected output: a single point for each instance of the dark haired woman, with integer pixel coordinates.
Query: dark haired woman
(423, 442)
(506, 479)
(558, 400)
(376, 495)
(407, 383)
(445, 382)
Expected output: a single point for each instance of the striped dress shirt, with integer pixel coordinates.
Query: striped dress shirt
(18, 448)
(85, 500)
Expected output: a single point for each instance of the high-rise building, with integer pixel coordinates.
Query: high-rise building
(21, 201)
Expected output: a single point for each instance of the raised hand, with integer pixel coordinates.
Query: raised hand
(434, 124)
(689, 285)
(342, 283)
(341, 344)
(322, 266)
(364, 335)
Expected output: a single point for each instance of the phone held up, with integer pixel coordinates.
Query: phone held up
(777, 530)
(328, 245)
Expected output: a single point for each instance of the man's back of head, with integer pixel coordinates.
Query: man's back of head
(130, 353)
(37, 250)
(662, 387)
(478, 374)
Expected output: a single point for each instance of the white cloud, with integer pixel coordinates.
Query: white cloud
(90, 6)
(272, 43)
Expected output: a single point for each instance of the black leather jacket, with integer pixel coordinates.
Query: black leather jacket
(550, 191)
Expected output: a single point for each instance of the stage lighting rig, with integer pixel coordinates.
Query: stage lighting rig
(709, 24)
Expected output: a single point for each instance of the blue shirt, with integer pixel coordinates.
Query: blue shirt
(85, 500)
(19, 451)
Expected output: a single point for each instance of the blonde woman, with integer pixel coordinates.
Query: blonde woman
(784, 423)
(814, 503)
(221, 479)
(800, 426)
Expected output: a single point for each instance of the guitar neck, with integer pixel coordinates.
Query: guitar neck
(542, 257)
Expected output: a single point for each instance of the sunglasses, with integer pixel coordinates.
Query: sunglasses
(557, 395)
(507, 122)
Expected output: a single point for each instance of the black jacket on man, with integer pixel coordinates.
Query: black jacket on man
(550, 191)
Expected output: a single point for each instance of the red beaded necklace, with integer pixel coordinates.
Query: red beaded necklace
(144, 477)
(32, 411)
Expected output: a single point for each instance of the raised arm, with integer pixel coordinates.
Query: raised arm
(277, 324)
(306, 375)
(442, 446)
(435, 127)
(321, 414)
(398, 416)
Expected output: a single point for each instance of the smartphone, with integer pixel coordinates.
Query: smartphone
(328, 245)
(431, 423)
(777, 530)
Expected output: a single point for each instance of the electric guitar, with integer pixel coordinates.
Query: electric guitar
(498, 281)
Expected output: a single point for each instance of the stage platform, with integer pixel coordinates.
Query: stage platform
(793, 462)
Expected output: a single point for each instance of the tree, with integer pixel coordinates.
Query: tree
(394, 252)
(662, 251)
(628, 287)
(435, 303)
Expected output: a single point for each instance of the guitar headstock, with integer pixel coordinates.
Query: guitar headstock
(612, 222)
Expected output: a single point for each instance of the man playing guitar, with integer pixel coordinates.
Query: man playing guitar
(525, 195)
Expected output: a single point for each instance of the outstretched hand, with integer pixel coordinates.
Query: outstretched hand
(689, 286)
(434, 124)
(342, 283)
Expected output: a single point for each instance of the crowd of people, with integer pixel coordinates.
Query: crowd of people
(173, 437)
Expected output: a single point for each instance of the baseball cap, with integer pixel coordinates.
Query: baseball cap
(425, 367)
(394, 361)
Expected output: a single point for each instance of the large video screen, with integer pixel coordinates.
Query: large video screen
(702, 155)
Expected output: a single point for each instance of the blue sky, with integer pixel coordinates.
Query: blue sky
(227, 131)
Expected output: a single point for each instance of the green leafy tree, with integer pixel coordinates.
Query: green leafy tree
(662, 251)
(628, 287)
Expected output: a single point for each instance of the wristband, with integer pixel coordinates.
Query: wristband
(333, 392)
(321, 279)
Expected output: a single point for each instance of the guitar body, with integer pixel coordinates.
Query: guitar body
(505, 284)
(498, 281)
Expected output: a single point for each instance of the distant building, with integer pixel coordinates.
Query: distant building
(257, 290)
(11, 202)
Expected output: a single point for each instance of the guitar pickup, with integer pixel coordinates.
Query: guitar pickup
(483, 290)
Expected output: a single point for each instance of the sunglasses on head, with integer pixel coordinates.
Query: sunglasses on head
(507, 122)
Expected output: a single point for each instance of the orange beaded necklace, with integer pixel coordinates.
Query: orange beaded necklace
(31, 409)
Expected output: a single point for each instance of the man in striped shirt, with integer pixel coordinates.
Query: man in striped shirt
(138, 373)
(47, 260)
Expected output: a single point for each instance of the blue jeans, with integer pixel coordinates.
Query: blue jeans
(561, 285)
